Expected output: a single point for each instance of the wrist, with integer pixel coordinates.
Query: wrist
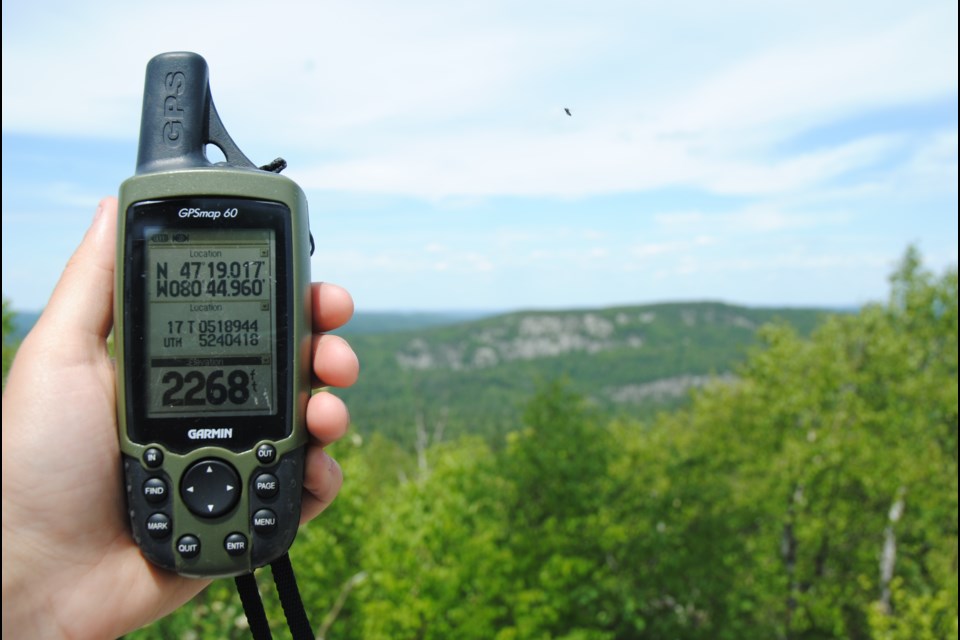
(27, 605)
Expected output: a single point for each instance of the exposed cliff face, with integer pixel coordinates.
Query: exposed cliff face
(540, 335)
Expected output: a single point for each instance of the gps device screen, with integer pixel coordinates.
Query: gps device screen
(210, 321)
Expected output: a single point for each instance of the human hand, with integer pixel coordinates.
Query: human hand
(70, 566)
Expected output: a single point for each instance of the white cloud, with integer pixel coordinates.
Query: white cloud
(578, 164)
(457, 102)
(816, 77)
(438, 100)
(756, 220)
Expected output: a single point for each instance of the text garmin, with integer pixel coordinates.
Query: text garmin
(210, 434)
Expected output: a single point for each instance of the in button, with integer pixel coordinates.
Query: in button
(153, 457)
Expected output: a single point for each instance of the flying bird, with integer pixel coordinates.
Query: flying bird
(567, 111)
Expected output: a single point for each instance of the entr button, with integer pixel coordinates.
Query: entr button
(235, 544)
(188, 546)
(158, 526)
(210, 488)
(264, 522)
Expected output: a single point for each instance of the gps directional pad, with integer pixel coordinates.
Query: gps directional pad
(210, 488)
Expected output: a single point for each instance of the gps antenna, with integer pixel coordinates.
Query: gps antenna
(179, 119)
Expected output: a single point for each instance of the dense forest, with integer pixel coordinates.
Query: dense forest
(812, 495)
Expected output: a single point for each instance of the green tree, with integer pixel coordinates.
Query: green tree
(558, 465)
(9, 343)
(785, 483)
(437, 556)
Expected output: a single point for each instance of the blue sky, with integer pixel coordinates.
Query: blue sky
(753, 152)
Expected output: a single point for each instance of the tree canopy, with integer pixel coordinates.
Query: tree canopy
(815, 496)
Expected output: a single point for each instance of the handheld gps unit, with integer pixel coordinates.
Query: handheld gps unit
(212, 336)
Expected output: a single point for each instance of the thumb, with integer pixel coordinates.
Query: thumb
(82, 302)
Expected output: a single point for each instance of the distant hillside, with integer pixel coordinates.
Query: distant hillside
(366, 322)
(474, 376)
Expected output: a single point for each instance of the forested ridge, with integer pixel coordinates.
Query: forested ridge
(811, 494)
(474, 377)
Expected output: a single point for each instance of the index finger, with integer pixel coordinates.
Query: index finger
(332, 306)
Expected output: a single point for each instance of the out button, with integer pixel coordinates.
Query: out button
(210, 488)
(266, 454)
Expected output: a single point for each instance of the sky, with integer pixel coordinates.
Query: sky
(759, 153)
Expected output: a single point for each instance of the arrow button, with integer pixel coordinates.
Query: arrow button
(210, 488)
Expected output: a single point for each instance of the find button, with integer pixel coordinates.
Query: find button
(155, 490)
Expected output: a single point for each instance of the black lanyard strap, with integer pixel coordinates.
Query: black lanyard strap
(290, 600)
(253, 606)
